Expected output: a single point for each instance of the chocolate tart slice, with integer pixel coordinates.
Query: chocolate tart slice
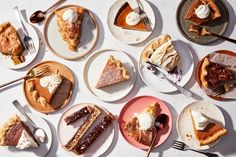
(15, 133)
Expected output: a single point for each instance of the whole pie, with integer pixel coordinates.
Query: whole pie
(69, 21)
(140, 127)
(213, 74)
(202, 11)
(15, 133)
(208, 131)
(127, 18)
(10, 43)
(114, 72)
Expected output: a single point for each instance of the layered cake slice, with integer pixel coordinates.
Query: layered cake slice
(15, 133)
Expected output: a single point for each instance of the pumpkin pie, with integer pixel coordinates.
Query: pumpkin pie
(205, 130)
(202, 11)
(127, 18)
(114, 72)
(140, 126)
(16, 133)
(69, 21)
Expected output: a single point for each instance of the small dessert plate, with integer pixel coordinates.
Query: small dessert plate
(186, 65)
(99, 146)
(136, 105)
(94, 67)
(126, 35)
(42, 150)
(58, 46)
(185, 127)
(61, 97)
(29, 57)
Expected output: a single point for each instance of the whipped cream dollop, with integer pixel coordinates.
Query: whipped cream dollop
(70, 15)
(146, 121)
(132, 18)
(203, 11)
(40, 134)
(200, 120)
(51, 82)
(26, 141)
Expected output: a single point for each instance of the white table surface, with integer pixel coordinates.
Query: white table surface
(165, 11)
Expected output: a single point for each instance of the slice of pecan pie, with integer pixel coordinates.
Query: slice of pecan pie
(114, 72)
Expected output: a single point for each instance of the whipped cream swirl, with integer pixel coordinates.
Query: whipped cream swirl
(203, 11)
(132, 18)
(51, 82)
(200, 120)
(146, 121)
(70, 15)
(26, 141)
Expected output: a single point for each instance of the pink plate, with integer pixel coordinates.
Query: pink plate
(136, 105)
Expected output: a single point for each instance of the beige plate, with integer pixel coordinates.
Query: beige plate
(62, 70)
(58, 46)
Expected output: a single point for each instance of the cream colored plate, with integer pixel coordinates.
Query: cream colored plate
(94, 67)
(185, 127)
(126, 35)
(59, 47)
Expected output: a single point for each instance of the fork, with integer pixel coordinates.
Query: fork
(28, 41)
(182, 146)
(143, 15)
(36, 72)
(218, 91)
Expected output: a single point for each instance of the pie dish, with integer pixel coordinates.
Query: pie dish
(208, 11)
(70, 21)
(16, 133)
(205, 130)
(127, 18)
(114, 72)
(140, 126)
(10, 43)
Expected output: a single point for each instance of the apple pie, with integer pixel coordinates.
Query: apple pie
(10, 43)
(140, 127)
(127, 18)
(15, 133)
(70, 21)
(114, 72)
(205, 130)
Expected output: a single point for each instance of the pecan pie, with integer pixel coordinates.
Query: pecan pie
(69, 21)
(114, 72)
(15, 133)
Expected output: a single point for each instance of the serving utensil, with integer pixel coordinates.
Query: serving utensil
(39, 15)
(36, 72)
(143, 16)
(182, 146)
(41, 138)
(160, 123)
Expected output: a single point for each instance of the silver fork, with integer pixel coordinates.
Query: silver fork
(28, 41)
(143, 15)
(36, 72)
(218, 91)
(182, 146)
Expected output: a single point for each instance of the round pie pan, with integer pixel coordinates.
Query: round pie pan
(199, 66)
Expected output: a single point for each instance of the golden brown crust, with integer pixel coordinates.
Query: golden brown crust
(213, 137)
(204, 73)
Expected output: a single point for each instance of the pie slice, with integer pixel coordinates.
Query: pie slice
(114, 72)
(10, 43)
(203, 6)
(127, 18)
(15, 133)
(205, 130)
(140, 127)
(213, 74)
(69, 21)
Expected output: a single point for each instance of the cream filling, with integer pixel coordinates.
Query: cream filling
(200, 121)
(203, 11)
(132, 18)
(26, 141)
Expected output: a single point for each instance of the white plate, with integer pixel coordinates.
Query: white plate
(126, 35)
(94, 67)
(59, 47)
(42, 150)
(99, 146)
(159, 84)
(184, 122)
(6, 60)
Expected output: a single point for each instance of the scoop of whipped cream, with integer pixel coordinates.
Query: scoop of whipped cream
(200, 120)
(26, 141)
(40, 134)
(70, 15)
(132, 18)
(203, 11)
(146, 121)
(51, 82)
